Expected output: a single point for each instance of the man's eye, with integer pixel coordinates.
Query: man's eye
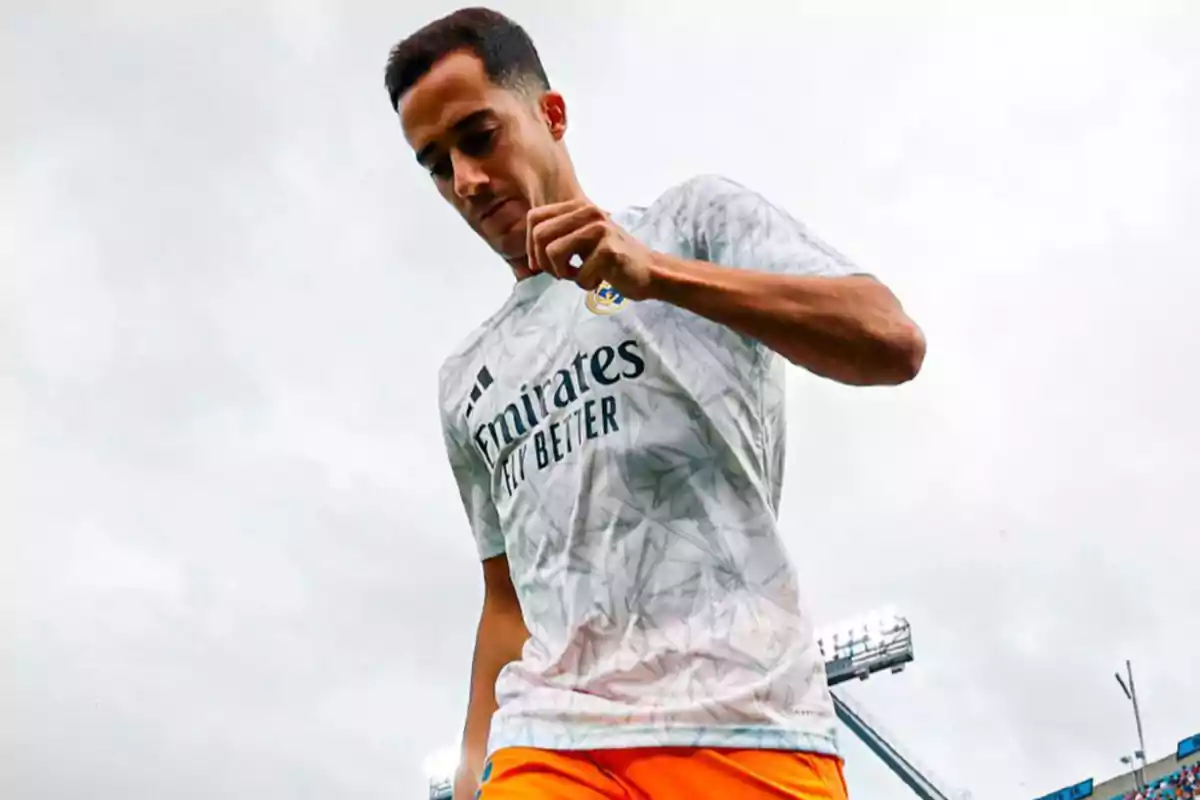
(477, 143)
(441, 168)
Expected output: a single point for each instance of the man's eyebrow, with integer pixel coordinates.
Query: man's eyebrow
(469, 121)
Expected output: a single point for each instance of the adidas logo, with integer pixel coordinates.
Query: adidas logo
(482, 381)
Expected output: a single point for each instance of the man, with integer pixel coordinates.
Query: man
(616, 430)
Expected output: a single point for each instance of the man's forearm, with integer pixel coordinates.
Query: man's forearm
(850, 329)
(498, 642)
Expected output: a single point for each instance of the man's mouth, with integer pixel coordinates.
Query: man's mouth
(492, 209)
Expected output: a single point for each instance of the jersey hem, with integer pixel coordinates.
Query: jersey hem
(552, 737)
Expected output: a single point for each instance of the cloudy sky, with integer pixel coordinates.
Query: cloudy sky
(234, 562)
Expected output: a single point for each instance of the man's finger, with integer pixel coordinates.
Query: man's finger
(580, 242)
(550, 229)
(534, 217)
(541, 213)
(588, 276)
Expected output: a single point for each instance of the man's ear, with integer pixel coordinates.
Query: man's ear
(554, 112)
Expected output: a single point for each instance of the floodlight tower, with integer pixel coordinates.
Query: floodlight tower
(873, 643)
(880, 640)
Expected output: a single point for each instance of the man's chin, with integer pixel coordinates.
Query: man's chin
(511, 246)
(520, 266)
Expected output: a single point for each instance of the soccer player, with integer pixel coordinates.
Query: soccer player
(616, 430)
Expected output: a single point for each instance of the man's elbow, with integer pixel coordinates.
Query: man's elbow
(888, 356)
(903, 349)
(897, 343)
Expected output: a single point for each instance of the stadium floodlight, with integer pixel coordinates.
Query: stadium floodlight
(871, 643)
(439, 770)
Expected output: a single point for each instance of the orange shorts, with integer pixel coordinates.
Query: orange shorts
(661, 773)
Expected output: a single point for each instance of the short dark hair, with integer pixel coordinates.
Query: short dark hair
(508, 55)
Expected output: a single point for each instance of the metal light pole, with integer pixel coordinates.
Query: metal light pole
(1131, 693)
(1131, 762)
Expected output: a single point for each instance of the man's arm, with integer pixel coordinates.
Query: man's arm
(760, 271)
(754, 269)
(851, 328)
(501, 633)
(498, 641)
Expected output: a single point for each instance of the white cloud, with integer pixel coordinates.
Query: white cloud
(238, 565)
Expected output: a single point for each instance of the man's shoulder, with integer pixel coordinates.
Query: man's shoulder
(474, 348)
(699, 191)
(684, 201)
(461, 370)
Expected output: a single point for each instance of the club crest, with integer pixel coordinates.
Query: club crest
(604, 299)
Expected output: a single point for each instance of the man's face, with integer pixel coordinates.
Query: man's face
(492, 152)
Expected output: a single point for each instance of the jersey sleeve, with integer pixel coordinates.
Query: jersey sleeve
(474, 488)
(736, 227)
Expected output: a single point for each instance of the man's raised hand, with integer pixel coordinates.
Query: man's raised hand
(578, 241)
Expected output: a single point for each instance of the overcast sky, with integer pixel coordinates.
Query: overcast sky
(234, 562)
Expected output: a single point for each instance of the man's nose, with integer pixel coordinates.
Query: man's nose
(469, 177)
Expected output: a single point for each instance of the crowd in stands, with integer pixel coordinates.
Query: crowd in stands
(1182, 784)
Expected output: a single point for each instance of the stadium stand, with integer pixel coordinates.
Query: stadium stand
(1182, 784)
(1176, 777)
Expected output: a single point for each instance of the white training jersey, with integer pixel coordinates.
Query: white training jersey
(627, 457)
